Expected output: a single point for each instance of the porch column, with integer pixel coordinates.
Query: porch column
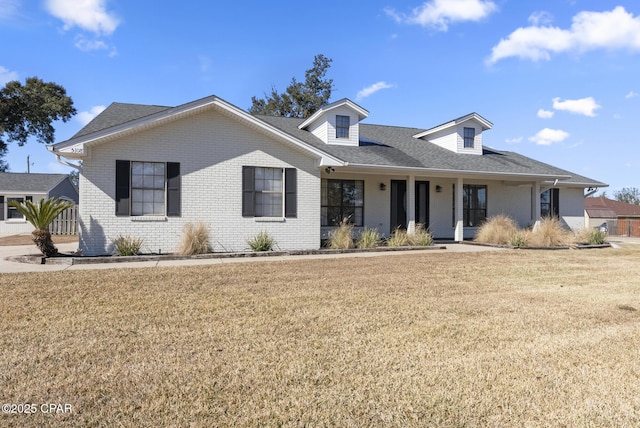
(459, 231)
(411, 204)
(535, 203)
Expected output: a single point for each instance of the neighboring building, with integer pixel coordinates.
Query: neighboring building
(620, 218)
(149, 170)
(29, 187)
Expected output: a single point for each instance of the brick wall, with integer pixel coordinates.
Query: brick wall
(211, 149)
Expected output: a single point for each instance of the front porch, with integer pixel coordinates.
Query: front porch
(385, 202)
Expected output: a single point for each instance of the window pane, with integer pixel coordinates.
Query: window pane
(147, 188)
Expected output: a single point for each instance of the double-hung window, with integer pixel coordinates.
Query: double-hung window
(342, 200)
(147, 188)
(342, 126)
(469, 137)
(268, 192)
(12, 212)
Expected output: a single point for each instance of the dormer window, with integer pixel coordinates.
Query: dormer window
(342, 126)
(469, 137)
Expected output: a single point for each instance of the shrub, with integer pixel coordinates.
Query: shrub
(195, 239)
(497, 230)
(342, 237)
(519, 239)
(399, 238)
(591, 236)
(127, 245)
(369, 238)
(550, 233)
(261, 242)
(420, 237)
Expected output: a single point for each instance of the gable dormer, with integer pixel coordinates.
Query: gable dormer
(337, 123)
(461, 135)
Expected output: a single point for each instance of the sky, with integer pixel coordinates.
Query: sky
(559, 79)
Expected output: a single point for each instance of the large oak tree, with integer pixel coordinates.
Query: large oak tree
(28, 111)
(300, 99)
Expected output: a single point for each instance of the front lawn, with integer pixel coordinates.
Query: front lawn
(508, 338)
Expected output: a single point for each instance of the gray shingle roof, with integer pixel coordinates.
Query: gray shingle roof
(380, 145)
(395, 146)
(118, 114)
(29, 183)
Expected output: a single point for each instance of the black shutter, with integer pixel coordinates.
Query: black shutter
(248, 191)
(290, 194)
(28, 198)
(122, 187)
(1, 207)
(173, 189)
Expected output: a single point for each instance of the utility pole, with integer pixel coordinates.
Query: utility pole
(28, 165)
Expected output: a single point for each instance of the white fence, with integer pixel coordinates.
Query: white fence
(66, 223)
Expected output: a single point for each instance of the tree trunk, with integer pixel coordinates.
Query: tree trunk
(42, 239)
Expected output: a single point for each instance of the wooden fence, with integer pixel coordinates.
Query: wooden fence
(66, 223)
(624, 227)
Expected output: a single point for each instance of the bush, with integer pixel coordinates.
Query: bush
(195, 239)
(420, 237)
(261, 242)
(399, 238)
(369, 238)
(591, 236)
(519, 239)
(498, 230)
(550, 233)
(342, 237)
(127, 245)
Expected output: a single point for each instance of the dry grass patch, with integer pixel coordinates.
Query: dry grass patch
(497, 230)
(483, 339)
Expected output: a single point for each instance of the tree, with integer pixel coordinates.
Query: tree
(41, 215)
(29, 110)
(299, 99)
(630, 195)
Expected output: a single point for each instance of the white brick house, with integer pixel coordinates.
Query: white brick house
(149, 170)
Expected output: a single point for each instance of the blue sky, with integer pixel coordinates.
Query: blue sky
(559, 79)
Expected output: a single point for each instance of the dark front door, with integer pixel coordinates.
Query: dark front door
(398, 204)
(422, 203)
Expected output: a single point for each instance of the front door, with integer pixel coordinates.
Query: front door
(398, 204)
(422, 203)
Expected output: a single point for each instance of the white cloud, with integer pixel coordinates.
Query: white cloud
(515, 140)
(584, 106)
(616, 29)
(545, 114)
(87, 45)
(439, 14)
(370, 90)
(85, 117)
(7, 76)
(89, 15)
(540, 18)
(546, 136)
(631, 94)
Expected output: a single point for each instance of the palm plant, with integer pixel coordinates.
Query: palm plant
(41, 215)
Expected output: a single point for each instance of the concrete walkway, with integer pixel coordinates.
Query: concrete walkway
(7, 266)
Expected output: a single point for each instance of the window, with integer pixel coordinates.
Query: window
(342, 126)
(147, 188)
(12, 212)
(342, 199)
(549, 203)
(474, 205)
(268, 192)
(469, 137)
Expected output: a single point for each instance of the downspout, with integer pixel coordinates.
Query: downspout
(591, 191)
(64, 162)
